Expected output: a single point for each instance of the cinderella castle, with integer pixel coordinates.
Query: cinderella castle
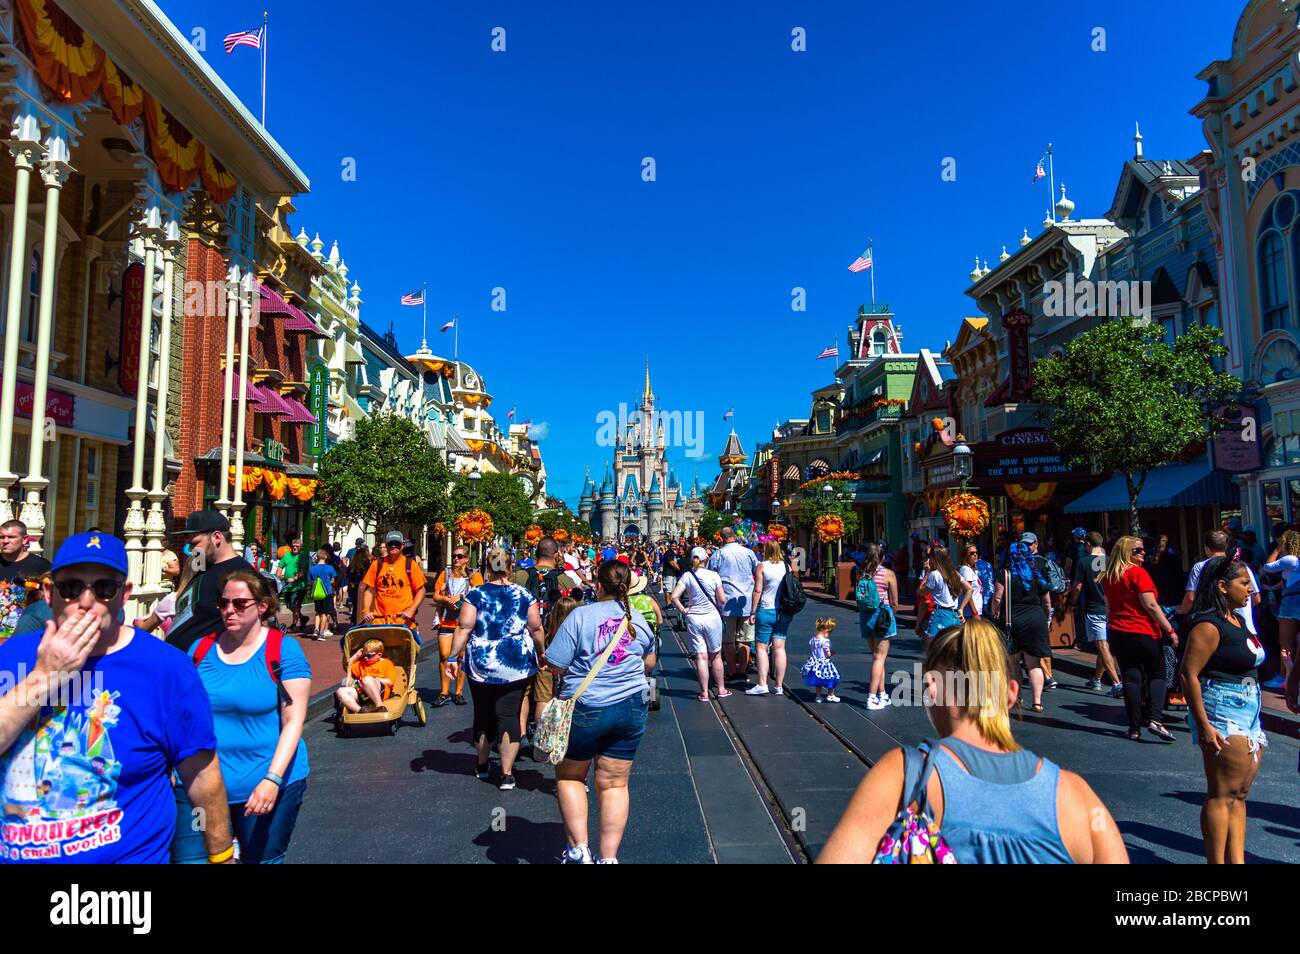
(643, 497)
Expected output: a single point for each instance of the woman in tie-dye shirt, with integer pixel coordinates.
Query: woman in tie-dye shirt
(500, 624)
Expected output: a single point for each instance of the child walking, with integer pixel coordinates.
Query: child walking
(818, 671)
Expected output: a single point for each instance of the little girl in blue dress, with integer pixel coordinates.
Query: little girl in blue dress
(818, 671)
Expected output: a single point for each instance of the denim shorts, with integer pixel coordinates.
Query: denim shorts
(940, 620)
(769, 624)
(263, 839)
(1290, 608)
(867, 622)
(1094, 626)
(1233, 709)
(614, 730)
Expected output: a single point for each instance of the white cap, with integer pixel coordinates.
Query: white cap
(699, 553)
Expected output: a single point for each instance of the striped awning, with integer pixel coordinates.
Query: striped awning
(297, 412)
(295, 319)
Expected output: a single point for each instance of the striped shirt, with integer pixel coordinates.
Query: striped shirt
(881, 586)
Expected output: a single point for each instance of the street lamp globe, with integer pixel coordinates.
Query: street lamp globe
(828, 490)
(962, 462)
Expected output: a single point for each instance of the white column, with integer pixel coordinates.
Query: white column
(232, 306)
(241, 427)
(25, 149)
(156, 525)
(54, 174)
(134, 525)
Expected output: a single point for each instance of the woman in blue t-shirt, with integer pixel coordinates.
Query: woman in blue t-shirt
(610, 714)
(258, 723)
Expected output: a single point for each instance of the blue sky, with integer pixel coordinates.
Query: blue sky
(523, 170)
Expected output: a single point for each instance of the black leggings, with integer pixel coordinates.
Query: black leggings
(1141, 661)
(496, 709)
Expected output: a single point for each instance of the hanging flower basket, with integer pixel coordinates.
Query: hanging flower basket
(967, 516)
(439, 529)
(533, 535)
(830, 527)
(559, 534)
(475, 526)
(777, 532)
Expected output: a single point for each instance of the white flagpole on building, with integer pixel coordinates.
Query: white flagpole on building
(424, 300)
(1051, 184)
(871, 254)
(455, 354)
(265, 18)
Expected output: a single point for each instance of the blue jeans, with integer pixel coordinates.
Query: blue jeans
(867, 619)
(940, 620)
(263, 839)
(769, 624)
(614, 730)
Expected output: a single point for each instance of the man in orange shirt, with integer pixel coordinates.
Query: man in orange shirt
(449, 589)
(393, 586)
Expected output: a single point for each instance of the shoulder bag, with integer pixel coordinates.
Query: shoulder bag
(914, 837)
(551, 737)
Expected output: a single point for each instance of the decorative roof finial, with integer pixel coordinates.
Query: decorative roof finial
(1137, 141)
(1004, 256)
(1025, 239)
(1048, 221)
(977, 274)
(1064, 207)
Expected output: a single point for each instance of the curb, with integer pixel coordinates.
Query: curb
(1272, 720)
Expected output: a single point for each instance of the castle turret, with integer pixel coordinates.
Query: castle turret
(587, 502)
(655, 510)
(606, 507)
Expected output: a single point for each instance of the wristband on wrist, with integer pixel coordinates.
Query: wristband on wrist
(222, 857)
(272, 777)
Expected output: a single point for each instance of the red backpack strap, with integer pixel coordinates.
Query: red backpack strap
(274, 649)
(204, 647)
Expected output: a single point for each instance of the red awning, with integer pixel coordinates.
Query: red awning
(295, 319)
(273, 302)
(298, 413)
(251, 391)
(269, 402)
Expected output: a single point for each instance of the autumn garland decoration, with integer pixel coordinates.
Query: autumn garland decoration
(830, 527)
(967, 516)
(475, 526)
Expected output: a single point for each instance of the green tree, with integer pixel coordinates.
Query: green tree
(711, 521)
(1122, 397)
(502, 496)
(817, 502)
(387, 472)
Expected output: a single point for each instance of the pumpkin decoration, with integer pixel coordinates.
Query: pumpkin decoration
(777, 531)
(560, 534)
(967, 516)
(475, 526)
(830, 527)
(532, 535)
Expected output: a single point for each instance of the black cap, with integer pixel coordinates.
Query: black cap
(206, 521)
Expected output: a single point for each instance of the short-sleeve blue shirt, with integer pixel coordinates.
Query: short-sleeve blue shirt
(246, 713)
(325, 573)
(90, 783)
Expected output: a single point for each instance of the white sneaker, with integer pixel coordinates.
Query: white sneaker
(818, 699)
(832, 698)
(779, 690)
(885, 701)
(873, 703)
(607, 861)
(757, 691)
(577, 855)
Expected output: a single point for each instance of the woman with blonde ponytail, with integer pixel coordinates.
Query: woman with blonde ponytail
(994, 802)
(609, 716)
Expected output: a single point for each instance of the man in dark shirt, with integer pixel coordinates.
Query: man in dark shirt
(213, 558)
(20, 571)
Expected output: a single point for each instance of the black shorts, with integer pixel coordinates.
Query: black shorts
(324, 607)
(496, 708)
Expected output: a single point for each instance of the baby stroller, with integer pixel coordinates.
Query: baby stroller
(401, 648)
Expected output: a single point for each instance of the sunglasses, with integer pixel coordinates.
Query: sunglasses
(239, 604)
(371, 655)
(460, 556)
(1139, 550)
(105, 590)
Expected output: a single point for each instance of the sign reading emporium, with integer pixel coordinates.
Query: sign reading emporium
(317, 402)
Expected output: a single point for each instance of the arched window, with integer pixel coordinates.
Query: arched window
(1277, 269)
(879, 341)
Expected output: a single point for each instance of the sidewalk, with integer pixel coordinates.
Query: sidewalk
(1275, 718)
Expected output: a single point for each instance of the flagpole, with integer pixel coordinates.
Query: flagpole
(265, 18)
(424, 300)
(872, 255)
(455, 353)
(1051, 184)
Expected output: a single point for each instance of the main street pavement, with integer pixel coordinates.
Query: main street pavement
(750, 779)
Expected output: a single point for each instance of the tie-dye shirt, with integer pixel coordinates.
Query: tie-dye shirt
(500, 649)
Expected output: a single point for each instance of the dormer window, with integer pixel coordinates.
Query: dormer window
(879, 341)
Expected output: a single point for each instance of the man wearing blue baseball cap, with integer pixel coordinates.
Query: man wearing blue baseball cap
(125, 709)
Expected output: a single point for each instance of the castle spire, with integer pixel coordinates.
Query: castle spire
(647, 395)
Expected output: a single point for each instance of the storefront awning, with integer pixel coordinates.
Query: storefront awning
(1173, 485)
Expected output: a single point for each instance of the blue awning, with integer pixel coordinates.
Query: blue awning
(1173, 485)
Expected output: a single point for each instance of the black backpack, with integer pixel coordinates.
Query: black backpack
(790, 597)
(542, 588)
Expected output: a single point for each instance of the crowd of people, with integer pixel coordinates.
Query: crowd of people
(112, 743)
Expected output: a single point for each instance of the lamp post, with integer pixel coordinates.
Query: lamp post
(962, 463)
(828, 495)
(474, 478)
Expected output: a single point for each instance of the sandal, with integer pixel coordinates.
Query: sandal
(1036, 707)
(1135, 735)
(725, 694)
(1160, 732)
(702, 697)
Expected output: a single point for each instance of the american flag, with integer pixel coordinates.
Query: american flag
(511, 415)
(862, 263)
(1039, 172)
(731, 413)
(832, 352)
(448, 326)
(413, 298)
(251, 38)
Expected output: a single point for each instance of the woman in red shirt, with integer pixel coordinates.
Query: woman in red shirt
(1135, 623)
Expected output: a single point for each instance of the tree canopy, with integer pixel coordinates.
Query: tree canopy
(502, 496)
(1121, 396)
(387, 472)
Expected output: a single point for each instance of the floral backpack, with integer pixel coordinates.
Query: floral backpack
(914, 837)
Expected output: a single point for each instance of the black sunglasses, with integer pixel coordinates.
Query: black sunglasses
(239, 604)
(460, 556)
(71, 590)
(1139, 550)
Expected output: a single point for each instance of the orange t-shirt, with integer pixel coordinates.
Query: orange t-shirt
(381, 668)
(394, 590)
